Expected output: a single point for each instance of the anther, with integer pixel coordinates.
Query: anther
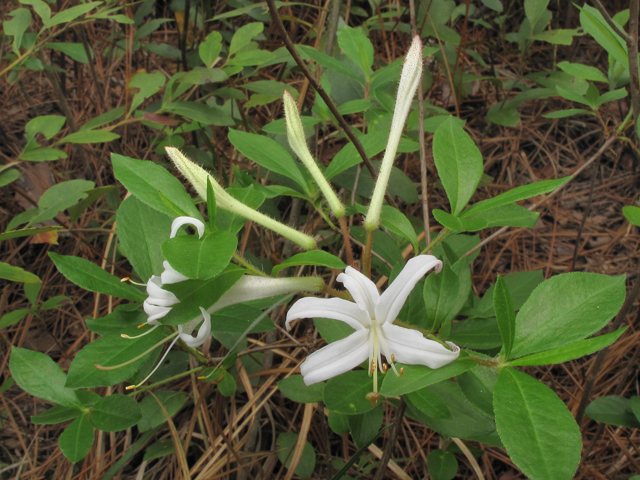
(130, 387)
(373, 397)
(385, 367)
(402, 371)
(125, 279)
(393, 358)
(142, 325)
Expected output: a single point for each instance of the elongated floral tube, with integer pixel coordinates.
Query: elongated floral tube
(251, 287)
(409, 80)
(197, 176)
(298, 143)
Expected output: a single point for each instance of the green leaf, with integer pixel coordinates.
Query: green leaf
(396, 222)
(476, 333)
(146, 181)
(459, 163)
(60, 197)
(47, 125)
(365, 426)
(41, 8)
(510, 215)
(495, 5)
(42, 155)
(107, 117)
(505, 314)
(212, 207)
(14, 317)
(38, 375)
(294, 388)
(16, 274)
(56, 414)
(8, 176)
(152, 415)
(572, 96)
(285, 444)
(314, 257)
(538, 431)
(75, 51)
(478, 385)
(569, 352)
(194, 294)
(110, 351)
(251, 58)
(515, 195)
(70, 14)
(566, 308)
(329, 62)
(520, 284)
(148, 84)
(346, 393)
(561, 36)
(210, 49)
(585, 72)
(201, 113)
(594, 24)
(632, 214)
(269, 154)
(159, 449)
(90, 136)
(17, 26)
(55, 302)
(243, 36)
(614, 410)
(612, 96)
(93, 278)
(227, 386)
(416, 377)
(442, 465)
(429, 403)
(114, 413)
(142, 231)
(77, 439)
(203, 76)
(568, 113)
(200, 258)
(355, 45)
(445, 219)
(446, 293)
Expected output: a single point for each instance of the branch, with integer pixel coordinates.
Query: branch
(616, 28)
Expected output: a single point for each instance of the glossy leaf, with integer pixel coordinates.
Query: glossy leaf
(210, 48)
(355, 45)
(346, 393)
(285, 444)
(429, 403)
(614, 410)
(152, 415)
(200, 258)
(314, 257)
(505, 314)
(16, 274)
(416, 377)
(70, 14)
(442, 465)
(294, 388)
(56, 414)
(539, 433)
(365, 426)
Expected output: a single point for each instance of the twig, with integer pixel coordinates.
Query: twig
(595, 156)
(391, 441)
(423, 148)
(632, 48)
(318, 88)
(597, 364)
(585, 214)
(616, 28)
(334, 19)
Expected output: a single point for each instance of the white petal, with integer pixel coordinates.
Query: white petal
(180, 221)
(336, 358)
(334, 308)
(157, 295)
(393, 298)
(171, 275)
(411, 348)
(363, 290)
(203, 332)
(154, 311)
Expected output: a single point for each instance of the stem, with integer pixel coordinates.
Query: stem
(366, 257)
(246, 264)
(444, 233)
(391, 441)
(344, 228)
(632, 48)
(318, 88)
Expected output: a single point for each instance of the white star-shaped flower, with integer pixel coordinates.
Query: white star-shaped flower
(371, 316)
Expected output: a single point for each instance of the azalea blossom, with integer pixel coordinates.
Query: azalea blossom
(371, 316)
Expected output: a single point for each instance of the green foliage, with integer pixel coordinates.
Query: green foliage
(286, 443)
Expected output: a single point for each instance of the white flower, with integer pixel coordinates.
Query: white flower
(160, 301)
(371, 316)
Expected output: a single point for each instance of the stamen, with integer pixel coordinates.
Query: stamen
(142, 325)
(128, 279)
(131, 387)
(100, 367)
(373, 397)
(124, 335)
(393, 357)
(401, 371)
(385, 367)
(373, 366)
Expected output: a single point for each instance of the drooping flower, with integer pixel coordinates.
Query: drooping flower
(371, 316)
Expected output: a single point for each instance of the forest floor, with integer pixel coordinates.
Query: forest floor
(581, 229)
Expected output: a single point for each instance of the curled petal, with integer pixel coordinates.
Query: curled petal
(393, 298)
(336, 358)
(334, 308)
(154, 311)
(180, 221)
(363, 290)
(411, 348)
(203, 333)
(171, 275)
(157, 295)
